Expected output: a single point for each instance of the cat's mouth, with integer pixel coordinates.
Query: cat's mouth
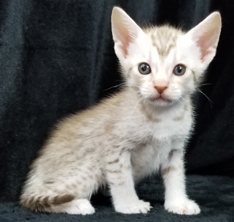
(160, 100)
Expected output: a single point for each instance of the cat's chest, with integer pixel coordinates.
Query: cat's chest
(167, 127)
(147, 158)
(160, 139)
(170, 128)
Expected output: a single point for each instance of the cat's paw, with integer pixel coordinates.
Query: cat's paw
(184, 207)
(80, 206)
(135, 207)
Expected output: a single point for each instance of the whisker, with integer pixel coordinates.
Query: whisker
(210, 101)
(136, 105)
(116, 86)
(181, 98)
(206, 84)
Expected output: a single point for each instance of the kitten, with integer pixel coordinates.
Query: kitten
(139, 131)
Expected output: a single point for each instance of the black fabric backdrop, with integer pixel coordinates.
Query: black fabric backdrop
(57, 57)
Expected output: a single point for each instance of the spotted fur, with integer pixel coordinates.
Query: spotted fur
(137, 132)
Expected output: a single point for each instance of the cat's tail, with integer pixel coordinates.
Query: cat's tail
(44, 203)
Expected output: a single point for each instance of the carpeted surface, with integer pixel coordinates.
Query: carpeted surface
(215, 194)
(57, 57)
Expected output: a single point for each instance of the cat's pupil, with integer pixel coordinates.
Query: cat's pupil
(144, 68)
(179, 69)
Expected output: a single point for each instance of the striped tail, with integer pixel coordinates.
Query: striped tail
(44, 203)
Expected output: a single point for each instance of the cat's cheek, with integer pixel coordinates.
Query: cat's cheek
(148, 91)
(134, 83)
(131, 83)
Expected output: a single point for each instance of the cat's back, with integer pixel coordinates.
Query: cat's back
(95, 117)
(92, 123)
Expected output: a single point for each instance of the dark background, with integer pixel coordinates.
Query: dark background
(57, 57)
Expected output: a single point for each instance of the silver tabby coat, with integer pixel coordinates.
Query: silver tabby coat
(139, 131)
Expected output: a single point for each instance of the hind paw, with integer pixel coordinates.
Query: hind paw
(79, 206)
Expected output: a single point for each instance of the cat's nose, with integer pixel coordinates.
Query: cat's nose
(160, 89)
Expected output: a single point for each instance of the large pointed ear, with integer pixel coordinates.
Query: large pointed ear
(124, 31)
(206, 36)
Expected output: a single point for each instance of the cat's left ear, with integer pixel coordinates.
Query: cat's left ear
(124, 31)
(206, 36)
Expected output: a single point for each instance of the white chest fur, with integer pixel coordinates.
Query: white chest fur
(163, 136)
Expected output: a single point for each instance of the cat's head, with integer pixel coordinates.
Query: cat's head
(164, 64)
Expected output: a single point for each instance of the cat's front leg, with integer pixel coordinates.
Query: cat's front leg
(176, 200)
(120, 180)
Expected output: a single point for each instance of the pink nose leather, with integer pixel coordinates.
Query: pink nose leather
(160, 89)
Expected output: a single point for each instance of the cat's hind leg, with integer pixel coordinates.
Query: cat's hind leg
(66, 203)
(58, 197)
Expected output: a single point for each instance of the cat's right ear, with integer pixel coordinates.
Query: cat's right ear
(124, 31)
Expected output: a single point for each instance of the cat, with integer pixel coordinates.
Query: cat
(141, 130)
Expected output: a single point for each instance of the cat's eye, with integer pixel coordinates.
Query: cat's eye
(179, 70)
(144, 68)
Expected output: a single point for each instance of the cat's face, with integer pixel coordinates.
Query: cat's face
(164, 64)
(161, 70)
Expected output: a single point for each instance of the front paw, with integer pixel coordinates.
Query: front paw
(135, 207)
(185, 207)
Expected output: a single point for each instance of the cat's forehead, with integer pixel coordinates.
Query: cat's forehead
(163, 38)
